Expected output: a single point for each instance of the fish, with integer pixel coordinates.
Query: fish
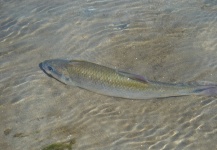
(117, 83)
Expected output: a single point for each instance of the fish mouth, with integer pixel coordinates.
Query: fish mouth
(43, 67)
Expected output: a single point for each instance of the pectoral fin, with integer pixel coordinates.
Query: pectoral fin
(133, 76)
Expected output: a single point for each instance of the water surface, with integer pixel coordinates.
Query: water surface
(170, 41)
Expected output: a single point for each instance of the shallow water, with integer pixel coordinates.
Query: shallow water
(167, 40)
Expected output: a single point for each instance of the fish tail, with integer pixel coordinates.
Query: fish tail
(208, 91)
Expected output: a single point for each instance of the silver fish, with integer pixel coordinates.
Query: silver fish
(113, 82)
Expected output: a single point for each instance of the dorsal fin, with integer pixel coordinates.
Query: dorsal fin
(133, 76)
(73, 61)
(76, 62)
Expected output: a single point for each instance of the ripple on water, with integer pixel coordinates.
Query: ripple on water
(172, 41)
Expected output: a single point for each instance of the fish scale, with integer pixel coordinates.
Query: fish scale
(104, 75)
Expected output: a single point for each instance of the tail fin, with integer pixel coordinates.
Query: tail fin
(208, 91)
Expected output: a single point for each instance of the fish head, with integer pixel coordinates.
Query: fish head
(57, 68)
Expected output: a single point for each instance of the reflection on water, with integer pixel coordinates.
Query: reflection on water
(171, 41)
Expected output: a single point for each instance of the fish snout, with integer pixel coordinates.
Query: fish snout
(45, 68)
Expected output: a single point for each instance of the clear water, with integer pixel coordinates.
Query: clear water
(167, 40)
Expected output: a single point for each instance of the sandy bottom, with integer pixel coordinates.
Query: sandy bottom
(167, 40)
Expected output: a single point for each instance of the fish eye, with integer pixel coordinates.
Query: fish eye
(50, 68)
